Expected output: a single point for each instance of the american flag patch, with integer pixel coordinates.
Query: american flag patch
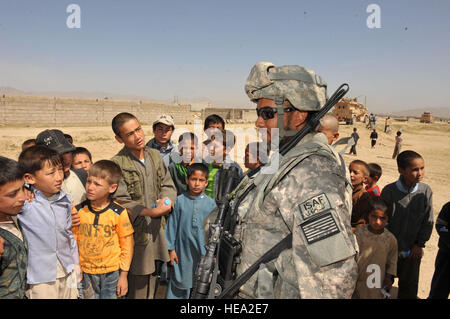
(319, 228)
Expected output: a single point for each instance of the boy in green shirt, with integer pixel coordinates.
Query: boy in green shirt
(217, 158)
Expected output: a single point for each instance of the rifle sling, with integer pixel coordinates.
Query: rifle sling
(286, 243)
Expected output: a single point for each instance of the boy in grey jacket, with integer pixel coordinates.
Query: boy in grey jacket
(410, 205)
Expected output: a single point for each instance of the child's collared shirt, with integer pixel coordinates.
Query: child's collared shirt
(99, 238)
(47, 223)
(403, 189)
(164, 151)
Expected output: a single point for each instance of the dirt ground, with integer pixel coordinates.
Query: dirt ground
(430, 140)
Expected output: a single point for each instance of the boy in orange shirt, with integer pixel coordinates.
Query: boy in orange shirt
(105, 235)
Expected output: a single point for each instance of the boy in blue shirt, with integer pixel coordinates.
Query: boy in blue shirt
(184, 232)
(53, 263)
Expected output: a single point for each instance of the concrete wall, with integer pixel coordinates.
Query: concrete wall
(249, 115)
(231, 115)
(43, 111)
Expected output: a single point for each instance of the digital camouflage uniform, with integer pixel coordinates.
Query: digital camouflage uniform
(309, 196)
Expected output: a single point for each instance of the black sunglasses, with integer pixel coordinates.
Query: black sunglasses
(268, 112)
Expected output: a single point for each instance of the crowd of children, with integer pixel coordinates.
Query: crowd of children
(391, 226)
(74, 228)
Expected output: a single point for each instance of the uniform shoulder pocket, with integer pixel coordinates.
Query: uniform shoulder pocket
(323, 232)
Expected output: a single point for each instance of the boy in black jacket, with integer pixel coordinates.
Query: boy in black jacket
(410, 205)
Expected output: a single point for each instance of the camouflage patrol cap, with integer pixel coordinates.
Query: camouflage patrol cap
(304, 89)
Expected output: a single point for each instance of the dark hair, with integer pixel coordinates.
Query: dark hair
(28, 142)
(404, 158)
(107, 170)
(10, 170)
(362, 163)
(399, 133)
(189, 136)
(82, 150)
(375, 170)
(197, 167)
(377, 203)
(33, 158)
(119, 120)
(69, 138)
(213, 118)
(354, 129)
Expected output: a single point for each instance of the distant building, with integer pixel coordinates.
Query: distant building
(426, 118)
(348, 109)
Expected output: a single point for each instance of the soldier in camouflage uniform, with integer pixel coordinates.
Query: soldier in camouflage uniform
(309, 196)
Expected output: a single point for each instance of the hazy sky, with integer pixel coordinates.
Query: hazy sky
(206, 48)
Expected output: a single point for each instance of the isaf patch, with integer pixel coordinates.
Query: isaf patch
(319, 228)
(314, 206)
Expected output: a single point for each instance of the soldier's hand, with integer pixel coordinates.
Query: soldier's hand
(2, 246)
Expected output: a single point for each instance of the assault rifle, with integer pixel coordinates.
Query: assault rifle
(207, 269)
(215, 276)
